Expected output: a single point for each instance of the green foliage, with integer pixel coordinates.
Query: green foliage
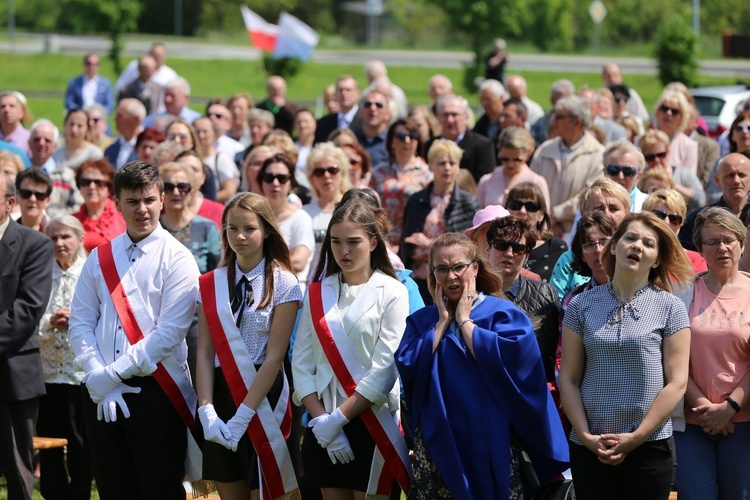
(552, 25)
(733, 15)
(418, 21)
(675, 53)
(286, 67)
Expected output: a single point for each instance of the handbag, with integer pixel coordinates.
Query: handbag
(557, 489)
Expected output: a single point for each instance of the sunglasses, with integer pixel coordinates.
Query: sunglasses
(651, 157)
(504, 245)
(85, 182)
(531, 206)
(401, 136)
(182, 187)
(615, 170)
(667, 109)
(26, 194)
(321, 171)
(621, 99)
(268, 178)
(369, 104)
(674, 219)
(742, 127)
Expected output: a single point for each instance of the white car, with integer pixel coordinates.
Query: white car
(718, 105)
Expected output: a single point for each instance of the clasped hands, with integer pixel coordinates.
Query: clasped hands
(714, 418)
(328, 431)
(227, 434)
(106, 390)
(611, 449)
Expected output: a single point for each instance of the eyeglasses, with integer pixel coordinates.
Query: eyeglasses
(268, 178)
(27, 193)
(91, 63)
(674, 219)
(667, 109)
(651, 157)
(729, 242)
(369, 104)
(504, 245)
(321, 171)
(531, 206)
(172, 137)
(742, 127)
(457, 269)
(591, 246)
(401, 136)
(621, 99)
(615, 170)
(182, 187)
(85, 182)
(506, 159)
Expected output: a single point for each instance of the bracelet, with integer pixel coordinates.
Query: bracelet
(464, 322)
(733, 404)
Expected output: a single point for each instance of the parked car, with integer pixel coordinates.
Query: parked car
(718, 105)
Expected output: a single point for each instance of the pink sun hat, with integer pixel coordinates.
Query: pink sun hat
(486, 215)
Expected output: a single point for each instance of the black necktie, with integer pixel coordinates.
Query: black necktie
(243, 294)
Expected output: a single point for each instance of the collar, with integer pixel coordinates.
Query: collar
(149, 241)
(349, 115)
(576, 145)
(513, 290)
(4, 226)
(250, 275)
(73, 270)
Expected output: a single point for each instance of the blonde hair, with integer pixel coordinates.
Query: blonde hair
(440, 146)
(174, 167)
(516, 138)
(657, 174)
(601, 186)
(653, 137)
(282, 141)
(323, 150)
(678, 98)
(671, 198)
(12, 158)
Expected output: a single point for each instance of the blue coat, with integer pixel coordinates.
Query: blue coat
(466, 407)
(74, 93)
(113, 150)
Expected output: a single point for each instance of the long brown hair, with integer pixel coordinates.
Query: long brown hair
(275, 249)
(367, 217)
(488, 281)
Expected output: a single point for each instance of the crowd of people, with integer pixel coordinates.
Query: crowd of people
(385, 298)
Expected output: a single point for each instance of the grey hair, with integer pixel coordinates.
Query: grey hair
(10, 186)
(97, 107)
(44, 121)
(497, 89)
(19, 96)
(257, 114)
(441, 102)
(625, 146)
(134, 107)
(718, 217)
(179, 82)
(435, 77)
(74, 225)
(376, 69)
(563, 87)
(578, 108)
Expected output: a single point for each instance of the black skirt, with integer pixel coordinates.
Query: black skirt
(221, 464)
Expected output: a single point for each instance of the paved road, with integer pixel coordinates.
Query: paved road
(31, 44)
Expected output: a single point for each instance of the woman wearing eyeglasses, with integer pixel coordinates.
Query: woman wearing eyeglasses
(624, 365)
(655, 146)
(527, 199)
(439, 208)
(98, 214)
(475, 384)
(514, 146)
(672, 113)
(404, 174)
(669, 206)
(712, 449)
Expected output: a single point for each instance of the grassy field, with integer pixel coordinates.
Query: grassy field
(44, 77)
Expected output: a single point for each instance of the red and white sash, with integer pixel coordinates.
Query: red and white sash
(391, 457)
(172, 376)
(270, 427)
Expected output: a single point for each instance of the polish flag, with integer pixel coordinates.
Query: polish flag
(262, 34)
(295, 38)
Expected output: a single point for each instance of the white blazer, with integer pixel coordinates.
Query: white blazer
(374, 323)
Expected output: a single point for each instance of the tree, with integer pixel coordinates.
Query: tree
(675, 53)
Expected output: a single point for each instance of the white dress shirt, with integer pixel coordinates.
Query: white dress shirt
(165, 275)
(88, 91)
(126, 149)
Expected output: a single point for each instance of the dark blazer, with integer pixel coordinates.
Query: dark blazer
(26, 258)
(479, 154)
(74, 93)
(708, 153)
(330, 122)
(113, 150)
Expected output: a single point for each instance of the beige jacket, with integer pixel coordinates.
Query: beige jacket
(584, 166)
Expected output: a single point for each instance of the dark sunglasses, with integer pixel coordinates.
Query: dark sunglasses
(369, 104)
(615, 170)
(504, 245)
(321, 171)
(85, 182)
(674, 219)
(26, 194)
(401, 136)
(667, 109)
(182, 187)
(621, 99)
(742, 127)
(268, 178)
(531, 206)
(652, 157)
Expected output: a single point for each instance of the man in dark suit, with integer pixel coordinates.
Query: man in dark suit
(26, 268)
(128, 119)
(479, 153)
(347, 95)
(144, 88)
(89, 88)
(491, 96)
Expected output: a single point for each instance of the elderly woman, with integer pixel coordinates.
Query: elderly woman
(625, 350)
(11, 165)
(712, 450)
(60, 409)
(98, 123)
(514, 146)
(623, 164)
(76, 149)
(404, 174)
(100, 218)
(253, 161)
(669, 206)
(239, 105)
(511, 239)
(304, 128)
(260, 124)
(439, 208)
(226, 175)
(199, 204)
(475, 384)
(655, 146)
(34, 187)
(672, 113)
(527, 199)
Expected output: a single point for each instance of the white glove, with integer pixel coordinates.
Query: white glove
(214, 429)
(101, 382)
(327, 426)
(107, 409)
(340, 449)
(237, 425)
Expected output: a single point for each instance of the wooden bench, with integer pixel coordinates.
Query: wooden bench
(43, 443)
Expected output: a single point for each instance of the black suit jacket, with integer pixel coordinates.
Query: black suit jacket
(479, 154)
(330, 122)
(25, 282)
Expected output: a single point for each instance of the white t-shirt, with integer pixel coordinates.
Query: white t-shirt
(297, 231)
